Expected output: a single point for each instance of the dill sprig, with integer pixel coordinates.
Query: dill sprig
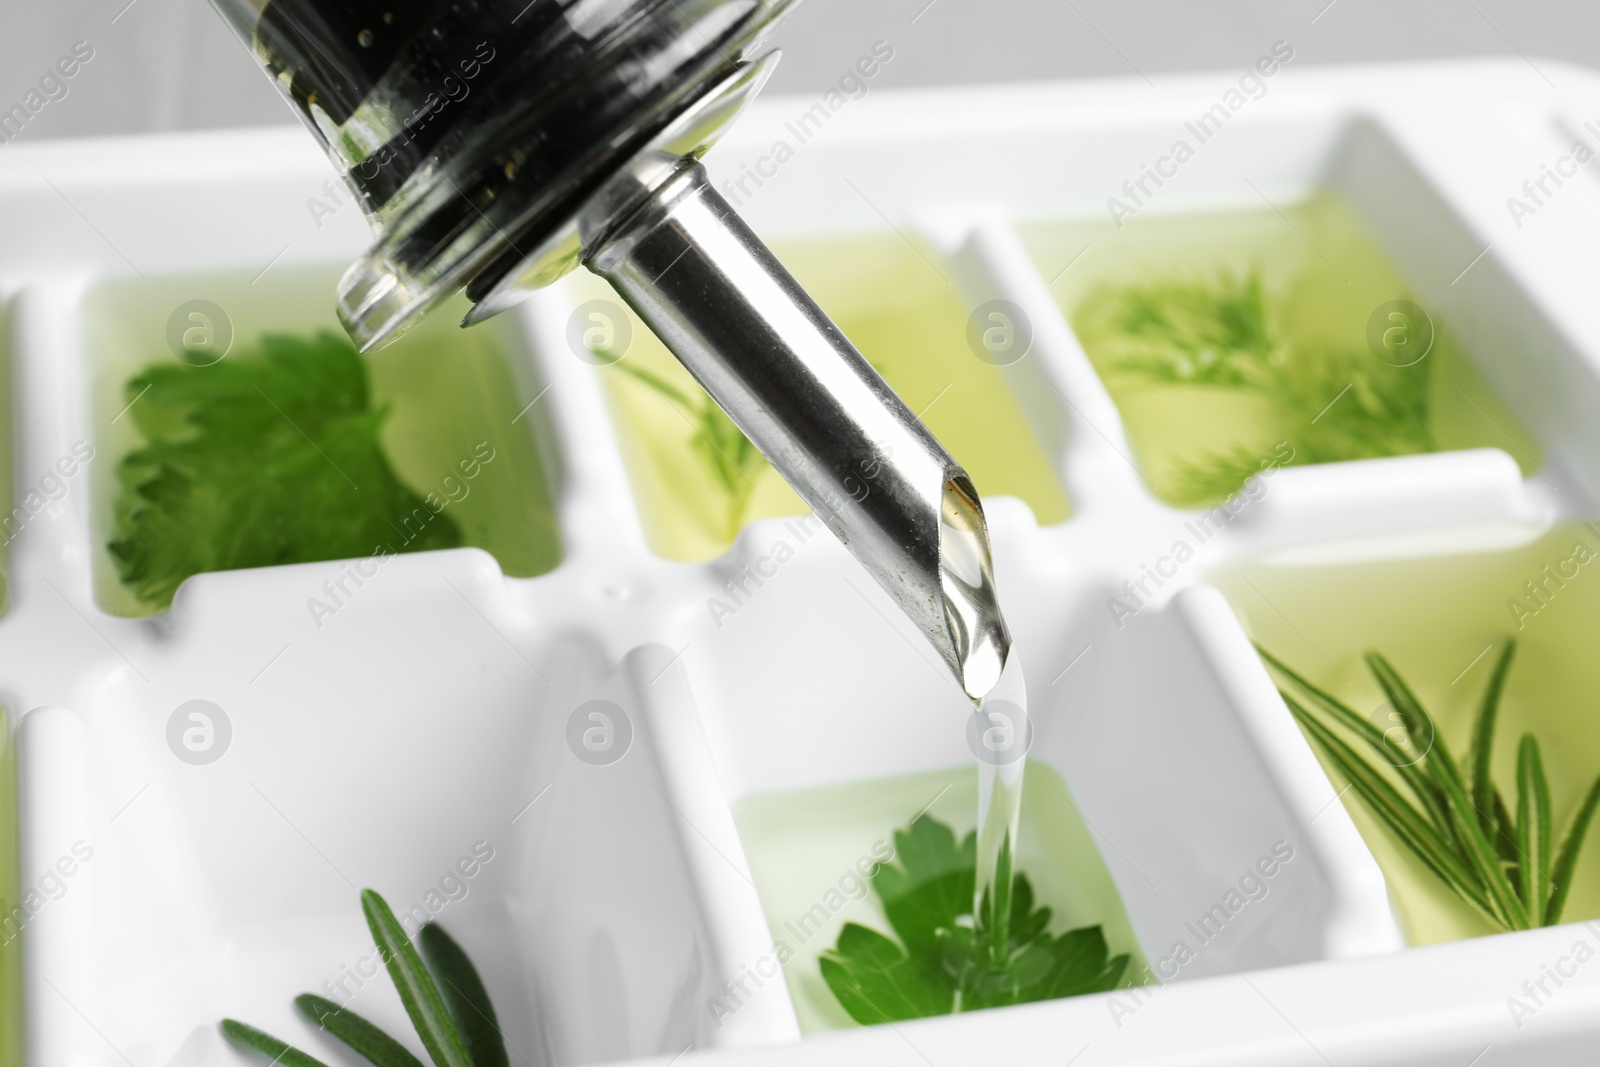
(734, 463)
(1455, 820)
(1336, 401)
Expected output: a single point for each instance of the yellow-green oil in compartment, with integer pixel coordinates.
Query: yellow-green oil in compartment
(908, 321)
(18, 508)
(1324, 278)
(807, 849)
(1441, 612)
(10, 904)
(447, 391)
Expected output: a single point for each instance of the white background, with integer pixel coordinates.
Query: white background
(172, 64)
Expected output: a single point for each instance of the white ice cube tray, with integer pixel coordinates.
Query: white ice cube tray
(429, 719)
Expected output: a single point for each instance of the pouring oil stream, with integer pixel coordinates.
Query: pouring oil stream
(991, 675)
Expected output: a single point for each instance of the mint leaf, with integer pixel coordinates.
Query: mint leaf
(944, 961)
(265, 458)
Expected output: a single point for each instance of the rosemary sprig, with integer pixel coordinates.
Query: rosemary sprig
(1227, 332)
(355, 1031)
(1456, 821)
(468, 1000)
(1567, 860)
(441, 1019)
(264, 1043)
(415, 985)
(733, 461)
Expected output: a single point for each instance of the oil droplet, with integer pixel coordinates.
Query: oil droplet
(388, 18)
(364, 38)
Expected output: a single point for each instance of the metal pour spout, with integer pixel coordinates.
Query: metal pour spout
(679, 254)
(580, 143)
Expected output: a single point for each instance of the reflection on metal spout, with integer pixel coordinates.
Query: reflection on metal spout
(966, 577)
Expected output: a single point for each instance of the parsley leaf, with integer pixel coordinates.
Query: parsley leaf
(267, 458)
(942, 962)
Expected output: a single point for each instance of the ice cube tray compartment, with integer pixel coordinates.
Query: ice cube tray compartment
(1464, 581)
(494, 831)
(1166, 731)
(455, 429)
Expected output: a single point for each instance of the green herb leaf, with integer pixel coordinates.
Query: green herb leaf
(1396, 755)
(682, 399)
(1505, 829)
(1567, 859)
(1209, 475)
(1215, 333)
(260, 459)
(379, 1048)
(417, 991)
(466, 997)
(727, 454)
(947, 962)
(1533, 830)
(1498, 865)
(1465, 820)
(1434, 850)
(279, 1052)
(1418, 723)
(1083, 964)
(1483, 791)
(878, 981)
(1227, 332)
(931, 887)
